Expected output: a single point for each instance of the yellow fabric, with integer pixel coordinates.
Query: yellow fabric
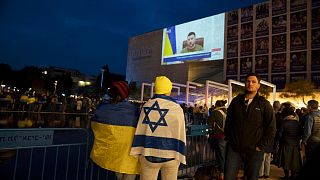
(24, 98)
(111, 148)
(167, 46)
(9, 98)
(31, 100)
(163, 85)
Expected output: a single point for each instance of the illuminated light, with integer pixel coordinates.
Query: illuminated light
(2, 85)
(84, 83)
(81, 83)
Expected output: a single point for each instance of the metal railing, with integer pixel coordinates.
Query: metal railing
(199, 152)
(40, 153)
(63, 153)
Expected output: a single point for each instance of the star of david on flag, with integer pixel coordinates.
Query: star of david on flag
(154, 124)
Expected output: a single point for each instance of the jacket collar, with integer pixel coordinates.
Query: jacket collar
(164, 97)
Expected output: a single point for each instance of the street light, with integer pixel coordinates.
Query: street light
(102, 73)
(55, 87)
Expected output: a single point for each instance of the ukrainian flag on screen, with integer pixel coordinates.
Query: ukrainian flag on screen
(170, 47)
(113, 127)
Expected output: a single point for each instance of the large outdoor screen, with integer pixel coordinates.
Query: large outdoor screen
(199, 40)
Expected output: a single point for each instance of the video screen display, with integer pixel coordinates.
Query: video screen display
(199, 40)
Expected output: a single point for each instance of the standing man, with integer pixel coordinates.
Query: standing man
(250, 128)
(311, 134)
(191, 44)
(160, 137)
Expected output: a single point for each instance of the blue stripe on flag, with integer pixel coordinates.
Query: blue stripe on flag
(159, 143)
(120, 114)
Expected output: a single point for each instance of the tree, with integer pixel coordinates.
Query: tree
(5, 73)
(65, 83)
(237, 89)
(299, 89)
(265, 91)
(25, 77)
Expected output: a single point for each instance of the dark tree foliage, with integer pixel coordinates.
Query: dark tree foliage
(65, 83)
(27, 77)
(6, 73)
(299, 89)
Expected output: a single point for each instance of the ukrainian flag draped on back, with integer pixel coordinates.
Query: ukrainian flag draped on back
(170, 47)
(114, 126)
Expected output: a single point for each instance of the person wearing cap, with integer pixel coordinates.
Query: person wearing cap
(113, 125)
(160, 137)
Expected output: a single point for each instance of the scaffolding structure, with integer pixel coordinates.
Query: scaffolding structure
(203, 91)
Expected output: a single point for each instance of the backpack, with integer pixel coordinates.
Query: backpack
(224, 116)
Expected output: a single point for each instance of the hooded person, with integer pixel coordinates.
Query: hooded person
(160, 137)
(113, 125)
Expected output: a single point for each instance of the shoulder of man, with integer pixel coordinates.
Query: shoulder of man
(238, 97)
(198, 47)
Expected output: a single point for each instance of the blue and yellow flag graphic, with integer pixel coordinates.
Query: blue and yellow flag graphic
(170, 47)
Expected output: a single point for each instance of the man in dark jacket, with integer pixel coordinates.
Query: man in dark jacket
(250, 128)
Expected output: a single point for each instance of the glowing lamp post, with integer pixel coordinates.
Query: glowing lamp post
(55, 87)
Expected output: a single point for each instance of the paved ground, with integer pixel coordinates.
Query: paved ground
(275, 173)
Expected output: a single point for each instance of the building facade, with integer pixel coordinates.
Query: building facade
(278, 39)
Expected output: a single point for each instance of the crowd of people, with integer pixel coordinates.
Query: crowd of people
(33, 102)
(247, 136)
(33, 110)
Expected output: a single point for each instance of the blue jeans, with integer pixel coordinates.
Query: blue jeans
(250, 160)
(220, 148)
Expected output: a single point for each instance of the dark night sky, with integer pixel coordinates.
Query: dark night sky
(86, 34)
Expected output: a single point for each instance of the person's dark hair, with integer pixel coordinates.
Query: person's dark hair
(192, 33)
(220, 103)
(313, 104)
(288, 110)
(276, 105)
(254, 74)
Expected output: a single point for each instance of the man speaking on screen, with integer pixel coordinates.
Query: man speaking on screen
(191, 44)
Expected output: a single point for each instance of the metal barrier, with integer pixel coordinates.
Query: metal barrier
(199, 152)
(63, 153)
(43, 153)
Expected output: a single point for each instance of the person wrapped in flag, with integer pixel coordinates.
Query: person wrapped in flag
(113, 125)
(160, 137)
